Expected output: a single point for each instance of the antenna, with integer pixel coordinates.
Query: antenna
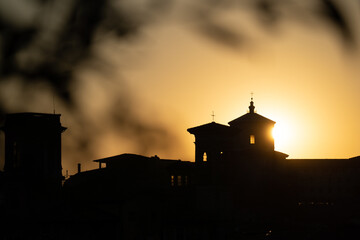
(54, 103)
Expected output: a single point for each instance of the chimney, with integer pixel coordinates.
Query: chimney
(79, 167)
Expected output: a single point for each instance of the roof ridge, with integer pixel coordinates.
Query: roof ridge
(250, 117)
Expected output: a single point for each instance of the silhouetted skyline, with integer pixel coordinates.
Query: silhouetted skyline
(238, 186)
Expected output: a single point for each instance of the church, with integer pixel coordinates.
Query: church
(238, 186)
(250, 133)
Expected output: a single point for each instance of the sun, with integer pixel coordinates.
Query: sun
(283, 135)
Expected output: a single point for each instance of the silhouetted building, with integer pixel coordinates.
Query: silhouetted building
(33, 147)
(32, 178)
(250, 132)
(226, 185)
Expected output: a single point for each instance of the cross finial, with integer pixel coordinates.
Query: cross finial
(213, 116)
(252, 107)
(252, 96)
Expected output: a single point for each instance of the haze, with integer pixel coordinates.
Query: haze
(176, 71)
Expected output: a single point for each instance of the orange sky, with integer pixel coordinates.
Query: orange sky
(303, 77)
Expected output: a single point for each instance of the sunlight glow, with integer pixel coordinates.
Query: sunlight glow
(283, 135)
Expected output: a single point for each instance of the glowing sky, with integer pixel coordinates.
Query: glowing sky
(174, 75)
(301, 77)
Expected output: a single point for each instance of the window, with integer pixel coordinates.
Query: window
(205, 157)
(172, 180)
(252, 139)
(179, 183)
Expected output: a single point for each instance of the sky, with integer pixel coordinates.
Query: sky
(302, 78)
(139, 94)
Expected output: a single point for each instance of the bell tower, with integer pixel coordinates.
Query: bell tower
(210, 141)
(252, 131)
